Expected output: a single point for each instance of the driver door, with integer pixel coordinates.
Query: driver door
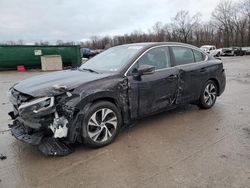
(153, 92)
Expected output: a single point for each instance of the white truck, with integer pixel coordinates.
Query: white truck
(210, 49)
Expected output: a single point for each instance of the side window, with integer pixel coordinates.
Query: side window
(183, 55)
(198, 56)
(158, 57)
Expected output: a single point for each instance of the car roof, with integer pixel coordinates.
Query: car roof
(207, 46)
(152, 44)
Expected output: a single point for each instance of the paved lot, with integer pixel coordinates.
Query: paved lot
(186, 147)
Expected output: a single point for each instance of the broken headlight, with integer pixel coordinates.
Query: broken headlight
(37, 106)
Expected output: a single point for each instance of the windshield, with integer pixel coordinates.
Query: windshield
(111, 60)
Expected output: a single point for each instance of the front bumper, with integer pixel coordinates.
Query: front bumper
(43, 122)
(41, 138)
(19, 131)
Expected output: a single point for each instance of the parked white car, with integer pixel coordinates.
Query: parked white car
(210, 49)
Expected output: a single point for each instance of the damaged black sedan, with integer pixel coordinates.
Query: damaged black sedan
(122, 84)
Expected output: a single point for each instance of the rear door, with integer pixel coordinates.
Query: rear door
(192, 71)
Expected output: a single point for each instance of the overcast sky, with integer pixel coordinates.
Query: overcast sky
(75, 20)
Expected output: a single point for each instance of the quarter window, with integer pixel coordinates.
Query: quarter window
(183, 55)
(198, 56)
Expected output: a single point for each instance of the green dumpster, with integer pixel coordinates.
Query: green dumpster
(30, 56)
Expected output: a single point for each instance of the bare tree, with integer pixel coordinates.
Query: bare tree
(10, 42)
(159, 31)
(42, 43)
(59, 42)
(240, 24)
(69, 43)
(245, 6)
(223, 18)
(183, 25)
(230, 25)
(20, 42)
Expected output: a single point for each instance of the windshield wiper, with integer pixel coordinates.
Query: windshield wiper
(90, 70)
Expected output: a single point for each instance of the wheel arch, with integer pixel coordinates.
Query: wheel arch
(216, 83)
(121, 106)
(83, 103)
(109, 99)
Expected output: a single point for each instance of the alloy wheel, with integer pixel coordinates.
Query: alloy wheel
(210, 94)
(102, 125)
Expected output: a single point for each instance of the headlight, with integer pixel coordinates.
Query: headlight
(37, 105)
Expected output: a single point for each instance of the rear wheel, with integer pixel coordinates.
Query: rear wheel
(101, 124)
(208, 95)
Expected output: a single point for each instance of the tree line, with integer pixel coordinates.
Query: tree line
(229, 26)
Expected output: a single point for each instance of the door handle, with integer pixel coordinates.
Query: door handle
(203, 70)
(172, 77)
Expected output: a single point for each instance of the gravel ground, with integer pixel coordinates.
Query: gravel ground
(185, 147)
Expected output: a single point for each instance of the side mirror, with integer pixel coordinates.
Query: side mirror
(217, 58)
(144, 70)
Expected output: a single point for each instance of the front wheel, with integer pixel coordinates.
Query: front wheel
(101, 124)
(208, 95)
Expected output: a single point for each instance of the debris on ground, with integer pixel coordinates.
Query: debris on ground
(223, 156)
(3, 157)
(10, 125)
(3, 131)
(247, 130)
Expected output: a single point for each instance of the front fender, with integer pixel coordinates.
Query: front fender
(75, 131)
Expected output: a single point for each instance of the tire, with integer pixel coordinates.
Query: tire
(208, 95)
(101, 124)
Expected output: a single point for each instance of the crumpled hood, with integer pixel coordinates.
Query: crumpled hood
(43, 85)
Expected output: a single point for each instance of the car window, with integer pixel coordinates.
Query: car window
(198, 56)
(183, 55)
(158, 57)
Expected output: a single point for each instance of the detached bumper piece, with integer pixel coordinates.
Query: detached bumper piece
(52, 146)
(19, 132)
(47, 145)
